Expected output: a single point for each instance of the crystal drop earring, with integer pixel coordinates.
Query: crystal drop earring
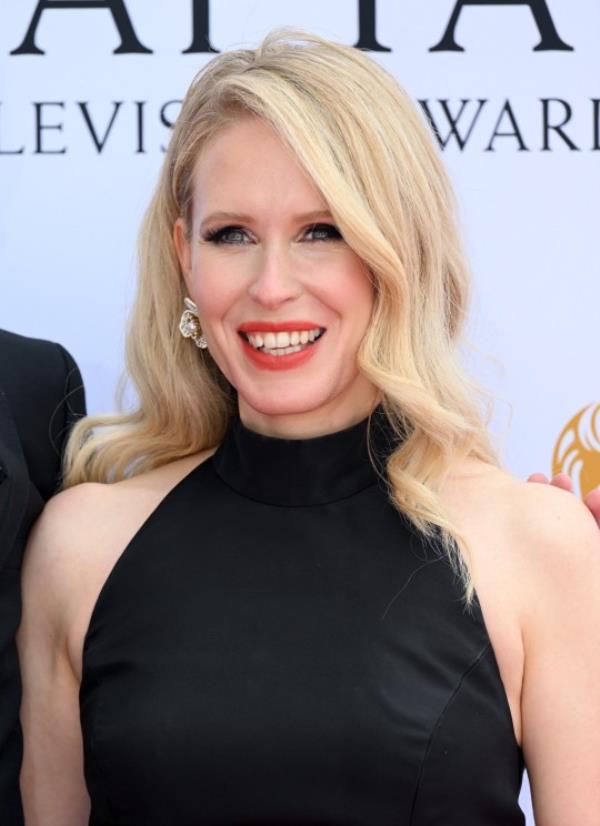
(189, 324)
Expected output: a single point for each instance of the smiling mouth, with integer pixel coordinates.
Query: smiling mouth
(283, 343)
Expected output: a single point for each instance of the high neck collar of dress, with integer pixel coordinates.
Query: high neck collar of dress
(303, 472)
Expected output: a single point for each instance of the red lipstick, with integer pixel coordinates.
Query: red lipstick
(276, 326)
(268, 361)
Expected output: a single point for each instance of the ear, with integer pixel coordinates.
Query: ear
(184, 253)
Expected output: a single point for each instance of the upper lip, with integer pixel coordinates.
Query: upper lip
(277, 326)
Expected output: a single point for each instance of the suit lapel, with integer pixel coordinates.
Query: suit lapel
(14, 481)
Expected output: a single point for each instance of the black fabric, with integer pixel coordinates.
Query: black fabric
(45, 394)
(277, 645)
(41, 395)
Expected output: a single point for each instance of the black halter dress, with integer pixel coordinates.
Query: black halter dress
(276, 645)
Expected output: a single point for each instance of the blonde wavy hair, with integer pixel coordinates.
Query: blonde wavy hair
(364, 144)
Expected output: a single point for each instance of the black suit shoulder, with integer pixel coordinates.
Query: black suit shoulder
(44, 390)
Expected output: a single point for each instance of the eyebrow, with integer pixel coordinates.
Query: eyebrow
(247, 219)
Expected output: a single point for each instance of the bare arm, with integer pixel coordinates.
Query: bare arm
(563, 481)
(52, 782)
(561, 688)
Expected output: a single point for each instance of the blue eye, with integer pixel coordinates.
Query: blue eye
(235, 235)
(324, 232)
(226, 235)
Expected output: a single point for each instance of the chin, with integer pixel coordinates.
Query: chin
(280, 404)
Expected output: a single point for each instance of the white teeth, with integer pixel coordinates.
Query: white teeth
(283, 340)
(284, 351)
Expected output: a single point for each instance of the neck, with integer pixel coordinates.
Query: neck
(297, 472)
(305, 424)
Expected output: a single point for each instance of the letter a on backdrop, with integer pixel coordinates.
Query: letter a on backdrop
(550, 42)
(129, 41)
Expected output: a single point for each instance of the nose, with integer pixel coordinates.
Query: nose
(273, 279)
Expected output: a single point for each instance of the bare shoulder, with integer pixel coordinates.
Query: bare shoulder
(57, 543)
(83, 512)
(559, 548)
(555, 524)
(80, 534)
(545, 533)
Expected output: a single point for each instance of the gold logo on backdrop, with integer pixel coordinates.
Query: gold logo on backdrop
(577, 450)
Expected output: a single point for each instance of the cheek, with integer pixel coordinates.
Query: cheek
(352, 292)
(363, 286)
(212, 290)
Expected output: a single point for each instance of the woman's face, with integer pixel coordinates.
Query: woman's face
(269, 272)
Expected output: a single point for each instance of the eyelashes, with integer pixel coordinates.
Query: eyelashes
(218, 236)
(236, 235)
(330, 230)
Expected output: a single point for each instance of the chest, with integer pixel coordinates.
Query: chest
(320, 654)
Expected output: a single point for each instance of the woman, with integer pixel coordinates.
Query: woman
(309, 593)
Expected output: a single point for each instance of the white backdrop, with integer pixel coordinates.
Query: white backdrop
(69, 210)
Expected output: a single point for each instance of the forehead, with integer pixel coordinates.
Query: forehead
(249, 164)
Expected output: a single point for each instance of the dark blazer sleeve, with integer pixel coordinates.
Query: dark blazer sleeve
(42, 396)
(44, 389)
(69, 408)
